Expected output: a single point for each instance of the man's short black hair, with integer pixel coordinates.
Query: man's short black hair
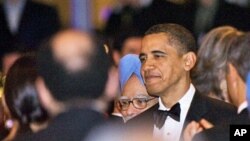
(177, 35)
(66, 85)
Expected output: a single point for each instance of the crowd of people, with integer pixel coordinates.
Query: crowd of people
(174, 82)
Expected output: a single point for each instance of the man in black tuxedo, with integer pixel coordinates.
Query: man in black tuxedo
(238, 69)
(26, 23)
(167, 56)
(74, 70)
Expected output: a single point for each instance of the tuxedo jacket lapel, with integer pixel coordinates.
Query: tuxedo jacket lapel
(197, 109)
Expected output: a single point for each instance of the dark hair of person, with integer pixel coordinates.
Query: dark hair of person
(239, 55)
(67, 85)
(177, 34)
(120, 38)
(210, 69)
(20, 93)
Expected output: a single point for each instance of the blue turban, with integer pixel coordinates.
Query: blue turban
(128, 65)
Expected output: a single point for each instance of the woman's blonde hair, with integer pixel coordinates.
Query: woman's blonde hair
(209, 73)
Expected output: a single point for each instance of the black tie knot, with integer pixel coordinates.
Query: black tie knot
(160, 115)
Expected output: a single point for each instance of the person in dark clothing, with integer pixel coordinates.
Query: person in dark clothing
(238, 67)
(21, 97)
(27, 23)
(73, 69)
(167, 57)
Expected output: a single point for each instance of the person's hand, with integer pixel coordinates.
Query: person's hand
(205, 124)
(195, 127)
(191, 129)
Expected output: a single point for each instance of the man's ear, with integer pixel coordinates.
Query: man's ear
(116, 57)
(232, 70)
(189, 60)
(233, 73)
(112, 84)
(232, 84)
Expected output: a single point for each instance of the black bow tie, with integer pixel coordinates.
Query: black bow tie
(160, 116)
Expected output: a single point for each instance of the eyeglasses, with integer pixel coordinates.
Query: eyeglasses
(139, 102)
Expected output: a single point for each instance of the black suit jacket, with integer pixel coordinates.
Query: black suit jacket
(37, 22)
(73, 125)
(222, 132)
(215, 111)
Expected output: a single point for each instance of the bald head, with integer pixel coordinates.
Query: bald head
(73, 49)
(73, 66)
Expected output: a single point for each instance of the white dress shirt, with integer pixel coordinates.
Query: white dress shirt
(171, 130)
(13, 14)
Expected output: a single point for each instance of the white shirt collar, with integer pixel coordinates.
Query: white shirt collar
(242, 107)
(185, 101)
